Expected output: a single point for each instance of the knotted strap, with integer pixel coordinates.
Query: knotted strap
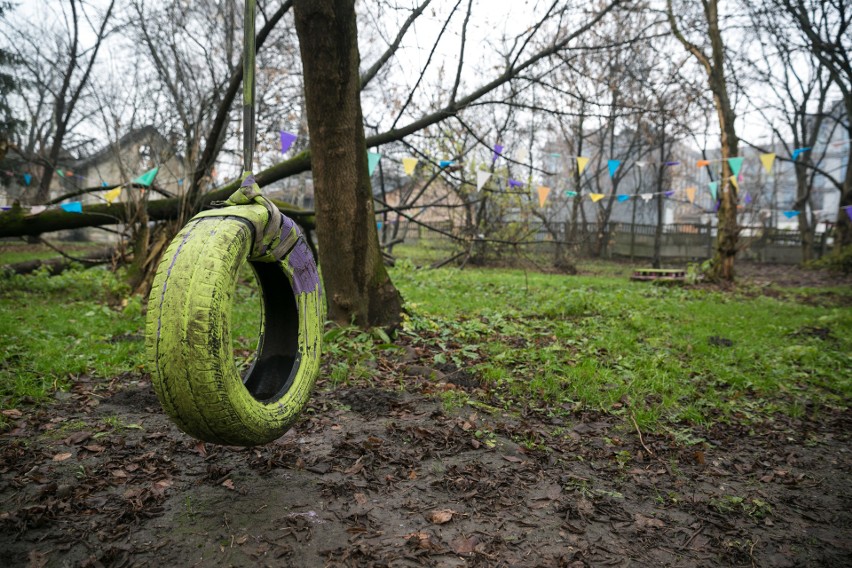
(274, 239)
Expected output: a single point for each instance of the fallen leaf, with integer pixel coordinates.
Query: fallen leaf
(356, 467)
(163, 484)
(242, 539)
(360, 498)
(412, 474)
(77, 438)
(699, 457)
(202, 451)
(441, 516)
(464, 545)
(11, 413)
(120, 473)
(513, 459)
(422, 540)
(62, 456)
(643, 522)
(95, 448)
(229, 484)
(131, 467)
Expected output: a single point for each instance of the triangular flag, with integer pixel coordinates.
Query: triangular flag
(112, 194)
(717, 206)
(481, 179)
(522, 155)
(736, 164)
(147, 178)
(496, 152)
(714, 188)
(373, 161)
(61, 173)
(408, 165)
(798, 151)
(73, 207)
(445, 163)
(767, 160)
(379, 225)
(791, 214)
(848, 209)
(668, 193)
(747, 198)
(28, 178)
(690, 194)
(543, 192)
(180, 181)
(596, 197)
(622, 198)
(570, 194)
(582, 162)
(613, 166)
(36, 209)
(672, 164)
(105, 184)
(641, 164)
(287, 139)
(647, 197)
(515, 183)
(702, 163)
(733, 180)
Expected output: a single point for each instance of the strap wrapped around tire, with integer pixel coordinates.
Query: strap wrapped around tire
(188, 328)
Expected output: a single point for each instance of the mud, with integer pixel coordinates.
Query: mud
(378, 476)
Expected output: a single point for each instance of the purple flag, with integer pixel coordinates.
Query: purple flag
(668, 193)
(287, 140)
(849, 211)
(672, 164)
(515, 183)
(498, 149)
(748, 198)
(718, 204)
(248, 182)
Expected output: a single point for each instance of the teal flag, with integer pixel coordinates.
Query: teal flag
(613, 167)
(736, 164)
(791, 214)
(147, 178)
(570, 194)
(73, 207)
(714, 188)
(373, 161)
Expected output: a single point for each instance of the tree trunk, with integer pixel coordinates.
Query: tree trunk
(843, 234)
(356, 283)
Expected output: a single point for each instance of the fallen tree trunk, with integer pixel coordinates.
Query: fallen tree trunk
(61, 264)
(15, 223)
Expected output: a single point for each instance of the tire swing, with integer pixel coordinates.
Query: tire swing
(188, 327)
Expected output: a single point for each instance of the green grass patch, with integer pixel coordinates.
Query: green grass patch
(667, 355)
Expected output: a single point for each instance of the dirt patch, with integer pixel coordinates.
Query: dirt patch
(376, 476)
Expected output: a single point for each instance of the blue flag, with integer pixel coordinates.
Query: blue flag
(613, 167)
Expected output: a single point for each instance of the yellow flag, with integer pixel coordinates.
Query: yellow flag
(582, 162)
(767, 160)
(596, 196)
(690, 194)
(543, 192)
(112, 194)
(408, 165)
(734, 182)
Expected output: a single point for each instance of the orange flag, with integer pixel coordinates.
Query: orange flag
(543, 192)
(702, 163)
(690, 194)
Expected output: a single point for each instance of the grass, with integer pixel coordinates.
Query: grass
(668, 357)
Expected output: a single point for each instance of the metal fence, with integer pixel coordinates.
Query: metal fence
(678, 242)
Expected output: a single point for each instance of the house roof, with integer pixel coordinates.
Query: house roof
(145, 133)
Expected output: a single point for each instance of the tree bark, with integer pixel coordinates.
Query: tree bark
(728, 230)
(357, 285)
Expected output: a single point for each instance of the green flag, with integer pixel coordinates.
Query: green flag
(147, 178)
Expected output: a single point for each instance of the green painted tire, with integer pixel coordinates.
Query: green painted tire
(188, 331)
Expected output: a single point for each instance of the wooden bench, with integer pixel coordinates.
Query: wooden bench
(659, 274)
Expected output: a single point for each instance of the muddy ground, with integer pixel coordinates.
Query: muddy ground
(378, 475)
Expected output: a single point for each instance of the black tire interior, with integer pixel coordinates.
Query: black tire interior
(278, 358)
